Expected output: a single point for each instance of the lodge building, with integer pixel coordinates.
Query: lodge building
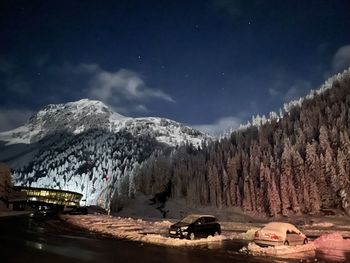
(17, 197)
(50, 196)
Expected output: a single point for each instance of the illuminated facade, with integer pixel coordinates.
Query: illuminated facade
(51, 196)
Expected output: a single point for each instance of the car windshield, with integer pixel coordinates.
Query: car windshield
(189, 219)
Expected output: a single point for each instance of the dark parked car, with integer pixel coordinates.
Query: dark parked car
(195, 226)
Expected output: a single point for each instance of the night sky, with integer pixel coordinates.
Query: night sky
(211, 64)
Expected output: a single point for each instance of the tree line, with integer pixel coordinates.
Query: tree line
(299, 163)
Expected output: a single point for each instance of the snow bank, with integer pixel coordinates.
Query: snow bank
(167, 241)
(330, 246)
(153, 232)
(323, 224)
(249, 235)
(254, 249)
(333, 247)
(332, 240)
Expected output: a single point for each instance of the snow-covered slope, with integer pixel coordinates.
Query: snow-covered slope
(97, 163)
(84, 115)
(84, 146)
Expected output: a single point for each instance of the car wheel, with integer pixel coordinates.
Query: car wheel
(286, 243)
(216, 233)
(191, 236)
(306, 241)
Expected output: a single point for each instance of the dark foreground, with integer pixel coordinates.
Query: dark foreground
(23, 239)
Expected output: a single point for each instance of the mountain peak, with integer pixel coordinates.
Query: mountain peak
(85, 114)
(79, 107)
(88, 104)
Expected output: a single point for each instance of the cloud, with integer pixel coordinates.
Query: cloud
(299, 89)
(127, 109)
(141, 108)
(341, 59)
(220, 126)
(11, 119)
(124, 89)
(124, 82)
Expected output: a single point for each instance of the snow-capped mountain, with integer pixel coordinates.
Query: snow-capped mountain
(84, 115)
(86, 147)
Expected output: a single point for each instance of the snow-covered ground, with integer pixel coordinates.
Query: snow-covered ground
(153, 232)
(254, 249)
(332, 240)
(331, 246)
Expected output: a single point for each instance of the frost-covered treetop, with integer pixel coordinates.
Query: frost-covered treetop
(328, 84)
(258, 120)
